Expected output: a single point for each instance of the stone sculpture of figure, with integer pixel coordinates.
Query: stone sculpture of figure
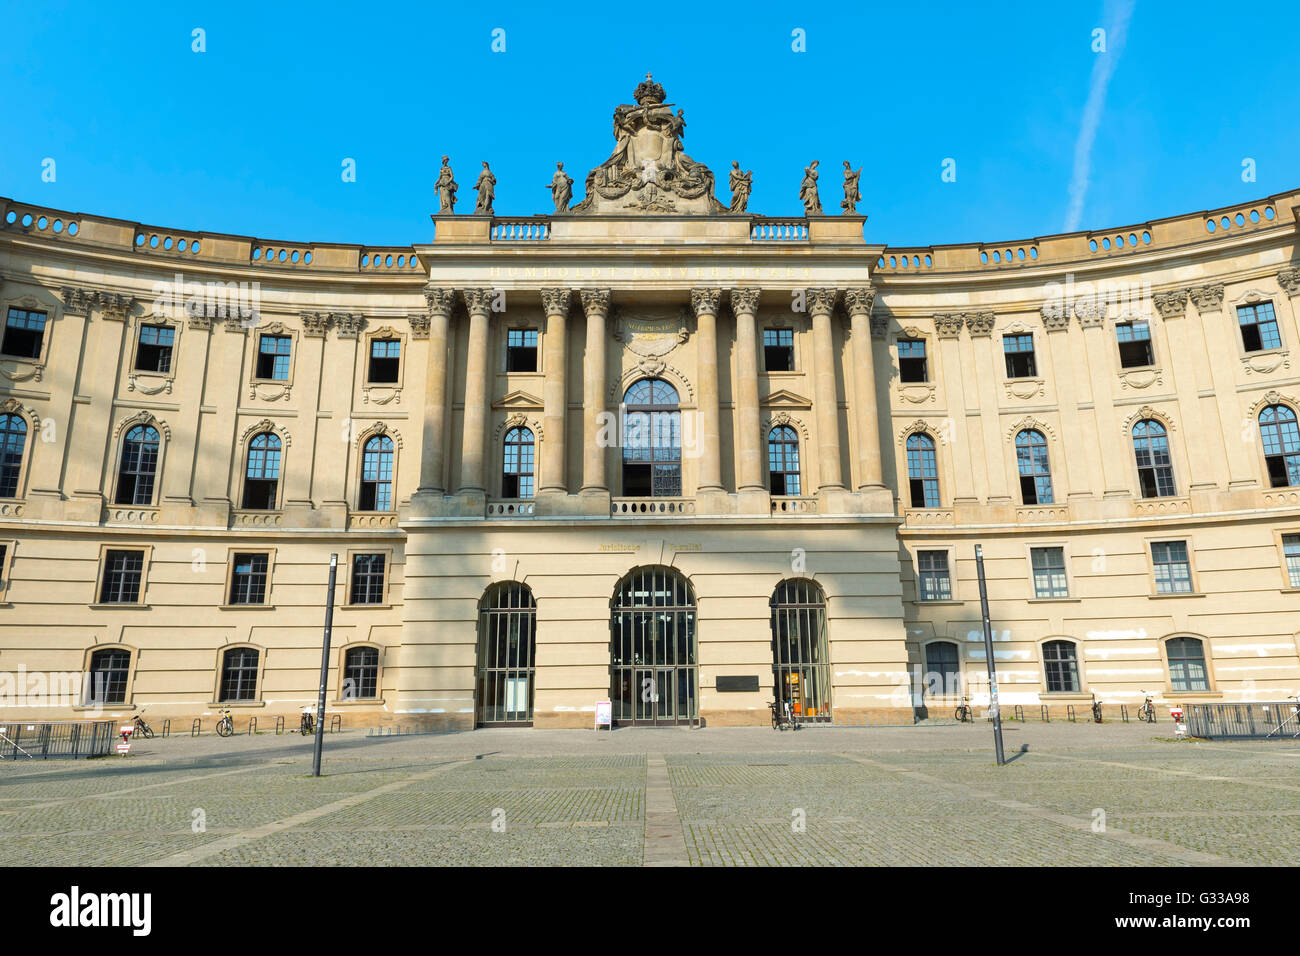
(446, 187)
(851, 195)
(486, 187)
(812, 204)
(741, 183)
(561, 188)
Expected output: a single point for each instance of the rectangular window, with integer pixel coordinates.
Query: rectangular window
(1049, 572)
(1173, 570)
(24, 333)
(385, 361)
(1134, 345)
(273, 357)
(1019, 350)
(934, 583)
(248, 578)
(778, 350)
(911, 361)
(1258, 327)
(367, 579)
(154, 353)
(1290, 554)
(123, 575)
(521, 350)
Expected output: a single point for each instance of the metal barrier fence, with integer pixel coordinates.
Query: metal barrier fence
(1255, 720)
(64, 738)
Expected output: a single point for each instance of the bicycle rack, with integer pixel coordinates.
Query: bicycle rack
(167, 727)
(1069, 713)
(252, 726)
(1045, 714)
(194, 730)
(1019, 713)
(279, 725)
(1123, 712)
(336, 723)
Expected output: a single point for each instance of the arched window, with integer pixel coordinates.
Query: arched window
(262, 479)
(1062, 666)
(1035, 473)
(800, 661)
(922, 471)
(942, 669)
(652, 440)
(653, 665)
(361, 673)
(13, 439)
(517, 464)
(138, 467)
(377, 475)
(1281, 437)
(783, 461)
(239, 674)
(108, 672)
(1151, 448)
(1187, 670)
(507, 646)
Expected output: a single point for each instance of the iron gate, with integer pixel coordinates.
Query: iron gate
(507, 644)
(654, 677)
(800, 662)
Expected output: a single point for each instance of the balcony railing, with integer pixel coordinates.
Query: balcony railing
(649, 507)
(511, 508)
(771, 229)
(793, 504)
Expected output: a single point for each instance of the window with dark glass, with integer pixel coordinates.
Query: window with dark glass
(1187, 671)
(385, 361)
(154, 353)
(1019, 353)
(24, 334)
(521, 350)
(361, 674)
(262, 479)
(273, 357)
(248, 578)
(517, 464)
(1062, 667)
(652, 440)
(123, 575)
(1172, 568)
(1134, 345)
(239, 674)
(1049, 572)
(1035, 474)
(942, 668)
(13, 439)
(4, 581)
(922, 472)
(911, 361)
(367, 579)
(138, 467)
(1258, 327)
(1281, 437)
(1290, 554)
(108, 673)
(778, 350)
(783, 461)
(934, 583)
(377, 474)
(1155, 469)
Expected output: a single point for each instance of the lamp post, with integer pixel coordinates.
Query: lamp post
(988, 658)
(325, 668)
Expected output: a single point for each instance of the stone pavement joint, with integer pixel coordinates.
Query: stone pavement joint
(665, 844)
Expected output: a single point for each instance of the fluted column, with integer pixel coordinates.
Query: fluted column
(859, 303)
(705, 303)
(472, 474)
(595, 303)
(554, 397)
(434, 434)
(821, 302)
(749, 467)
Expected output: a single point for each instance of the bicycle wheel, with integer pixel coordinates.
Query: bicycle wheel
(146, 731)
(225, 727)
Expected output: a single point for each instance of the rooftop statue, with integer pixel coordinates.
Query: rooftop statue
(561, 188)
(851, 195)
(741, 183)
(812, 203)
(487, 189)
(446, 186)
(648, 171)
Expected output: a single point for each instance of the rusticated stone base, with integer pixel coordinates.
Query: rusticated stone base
(565, 720)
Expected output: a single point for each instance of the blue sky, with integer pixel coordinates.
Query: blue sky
(249, 137)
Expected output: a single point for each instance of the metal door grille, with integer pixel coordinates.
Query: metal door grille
(507, 645)
(654, 677)
(800, 661)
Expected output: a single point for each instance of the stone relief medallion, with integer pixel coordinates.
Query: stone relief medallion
(650, 336)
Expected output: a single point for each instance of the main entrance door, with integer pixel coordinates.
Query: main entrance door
(654, 677)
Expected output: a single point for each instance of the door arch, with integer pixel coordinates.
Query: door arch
(801, 669)
(507, 647)
(653, 664)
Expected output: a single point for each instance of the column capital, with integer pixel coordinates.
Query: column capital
(347, 325)
(595, 302)
(439, 301)
(1055, 316)
(744, 301)
(77, 301)
(1091, 311)
(1208, 298)
(860, 301)
(478, 301)
(705, 301)
(315, 324)
(980, 323)
(556, 301)
(947, 324)
(1171, 305)
(419, 326)
(821, 301)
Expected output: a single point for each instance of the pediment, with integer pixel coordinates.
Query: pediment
(784, 398)
(519, 399)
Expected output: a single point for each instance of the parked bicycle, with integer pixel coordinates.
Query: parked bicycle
(963, 712)
(1096, 710)
(142, 728)
(307, 726)
(782, 718)
(226, 725)
(1147, 711)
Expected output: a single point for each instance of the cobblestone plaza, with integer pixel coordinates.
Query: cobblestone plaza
(1071, 794)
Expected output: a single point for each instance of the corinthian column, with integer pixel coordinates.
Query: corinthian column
(749, 468)
(859, 303)
(705, 303)
(554, 398)
(595, 302)
(434, 434)
(821, 302)
(479, 304)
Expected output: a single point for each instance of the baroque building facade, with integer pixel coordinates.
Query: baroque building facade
(648, 449)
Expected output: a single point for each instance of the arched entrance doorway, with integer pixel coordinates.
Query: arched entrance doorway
(507, 643)
(800, 662)
(654, 677)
